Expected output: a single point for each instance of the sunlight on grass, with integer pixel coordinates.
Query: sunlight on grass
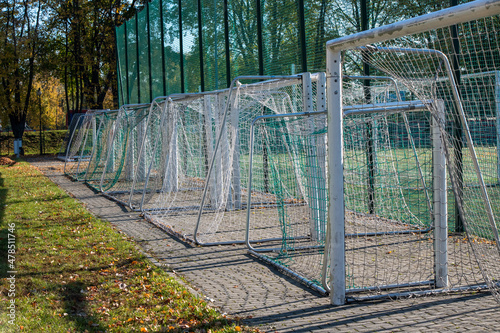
(75, 273)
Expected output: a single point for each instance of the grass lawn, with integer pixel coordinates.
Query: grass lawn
(75, 273)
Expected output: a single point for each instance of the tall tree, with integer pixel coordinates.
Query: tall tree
(88, 49)
(19, 51)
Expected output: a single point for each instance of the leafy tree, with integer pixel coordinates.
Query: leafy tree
(72, 40)
(49, 104)
(87, 49)
(21, 29)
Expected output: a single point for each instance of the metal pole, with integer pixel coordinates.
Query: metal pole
(228, 50)
(137, 58)
(440, 212)
(260, 42)
(126, 101)
(200, 46)
(162, 38)
(39, 93)
(181, 48)
(302, 35)
(457, 126)
(497, 116)
(336, 178)
(370, 144)
(149, 55)
(260, 50)
(119, 84)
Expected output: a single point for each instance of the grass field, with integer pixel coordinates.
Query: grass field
(75, 273)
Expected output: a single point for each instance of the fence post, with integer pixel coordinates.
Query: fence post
(228, 51)
(200, 46)
(137, 58)
(302, 35)
(181, 48)
(149, 55)
(162, 39)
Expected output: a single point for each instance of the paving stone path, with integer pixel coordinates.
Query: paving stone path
(242, 286)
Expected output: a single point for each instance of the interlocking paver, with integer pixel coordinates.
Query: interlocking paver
(241, 285)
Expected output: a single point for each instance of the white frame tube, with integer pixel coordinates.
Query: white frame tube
(439, 184)
(336, 177)
(442, 18)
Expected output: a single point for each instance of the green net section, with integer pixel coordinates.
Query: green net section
(388, 157)
(280, 34)
(122, 166)
(388, 193)
(132, 61)
(156, 45)
(214, 57)
(121, 64)
(293, 149)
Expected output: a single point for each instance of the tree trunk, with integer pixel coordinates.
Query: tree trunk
(17, 122)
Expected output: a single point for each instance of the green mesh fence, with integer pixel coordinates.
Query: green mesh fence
(243, 38)
(156, 50)
(143, 56)
(281, 47)
(132, 83)
(121, 63)
(214, 56)
(191, 46)
(204, 44)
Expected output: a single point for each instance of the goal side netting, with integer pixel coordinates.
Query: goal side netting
(200, 189)
(124, 146)
(95, 168)
(80, 146)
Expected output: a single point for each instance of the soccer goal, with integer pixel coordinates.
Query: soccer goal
(174, 184)
(74, 124)
(200, 191)
(291, 234)
(124, 144)
(437, 59)
(80, 146)
(105, 124)
(148, 155)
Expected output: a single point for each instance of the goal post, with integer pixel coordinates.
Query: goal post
(415, 52)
